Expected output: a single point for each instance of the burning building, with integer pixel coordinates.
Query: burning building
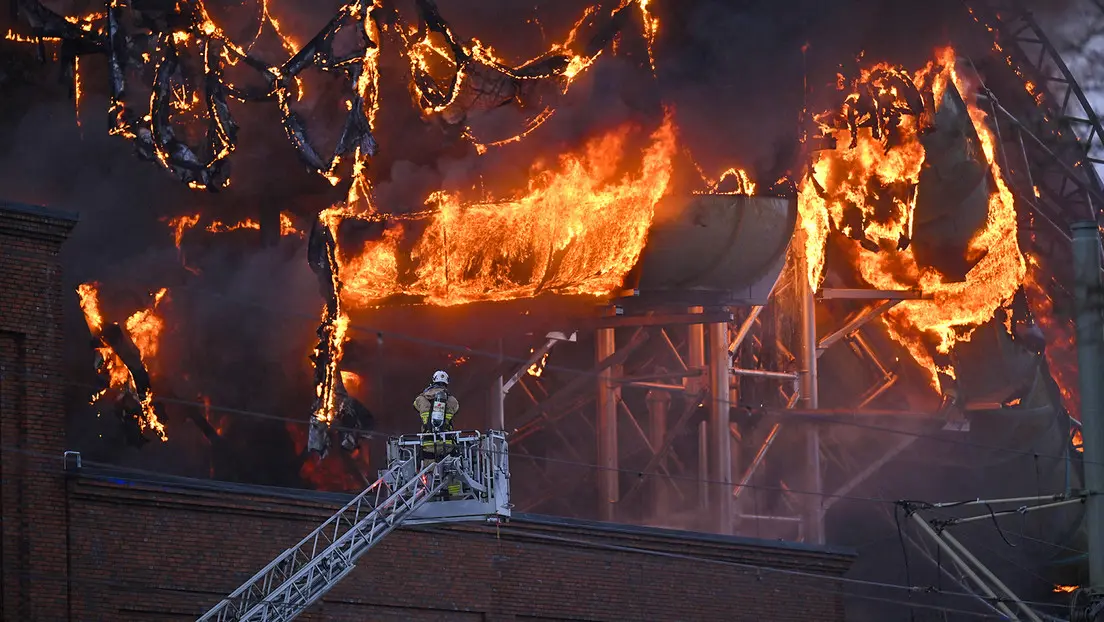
(873, 288)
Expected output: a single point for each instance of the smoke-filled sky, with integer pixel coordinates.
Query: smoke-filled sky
(733, 71)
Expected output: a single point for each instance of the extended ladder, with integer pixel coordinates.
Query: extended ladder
(474, 467)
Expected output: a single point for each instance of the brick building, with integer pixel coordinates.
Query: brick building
(92, 544)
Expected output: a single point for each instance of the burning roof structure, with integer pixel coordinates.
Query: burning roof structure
(908, 241)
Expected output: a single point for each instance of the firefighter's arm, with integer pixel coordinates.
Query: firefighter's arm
(452, 405)
(422, 404)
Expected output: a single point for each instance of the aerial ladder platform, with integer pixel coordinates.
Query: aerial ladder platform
(430, 478)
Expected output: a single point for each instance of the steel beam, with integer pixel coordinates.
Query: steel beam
(721, 458)
(673, 319)
(855, 324)
(668, 445)
(744, 329)
(583, 379)
(870, 469)
(659, 403)
(763, 373)
(498, 405)
(703, 464)
(1089, 308)
(814, 512)
(829, 293)
(608, 397)
(963, 566)
(695, 347)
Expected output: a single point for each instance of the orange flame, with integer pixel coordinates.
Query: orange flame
(144, 328)
(956, 308)
(536, 369)
(577, 230)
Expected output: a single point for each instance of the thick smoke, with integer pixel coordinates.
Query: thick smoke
(239, 332)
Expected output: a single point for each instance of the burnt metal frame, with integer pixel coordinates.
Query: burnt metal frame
(1058, 181)
(1068, 140)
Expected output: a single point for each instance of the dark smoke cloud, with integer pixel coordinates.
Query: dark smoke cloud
(733, 70)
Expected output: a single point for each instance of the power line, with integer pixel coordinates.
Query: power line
(758, 569)
(781, 413)
(377, 435)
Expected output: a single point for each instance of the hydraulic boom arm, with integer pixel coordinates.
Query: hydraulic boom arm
(301, 575)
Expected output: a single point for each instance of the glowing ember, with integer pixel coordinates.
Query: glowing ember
(577, 230)
(841, 180)
(1066, 589)
(144, 328)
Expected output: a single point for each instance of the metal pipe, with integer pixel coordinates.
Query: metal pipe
(964, 567)
(498, 405)
(719, 419)
(868, 471)
(1088, 295)
(703, 464)
(962, 550)
(607, 427)
(855, 324)
(745, 328)
(837, 293)
(660, 376)
(695, 346)
(955, 504)
(534, 358)
(674, 388)
(762, 373)
(658, 406)
(671, 347)
(756, 462)
(814, 508)
(1047, 506)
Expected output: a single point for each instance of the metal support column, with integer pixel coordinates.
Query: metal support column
(720, 454)
(658, 404)
(1088, 296)
(703, 464)
(814, 511)
(498, 405)
(606, 428)
(695, 359)
(695, 346)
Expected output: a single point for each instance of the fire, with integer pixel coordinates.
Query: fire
(864, 164)
(144, 328)
(536, 369)
(181, 224)
(578, 229)
(1066, 589)
(743, 185)
(1061, 345)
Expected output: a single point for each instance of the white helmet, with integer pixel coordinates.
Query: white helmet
(440, 377)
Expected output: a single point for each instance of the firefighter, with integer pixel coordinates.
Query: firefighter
(436, 406)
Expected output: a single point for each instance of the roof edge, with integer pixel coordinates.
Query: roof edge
(298, 501)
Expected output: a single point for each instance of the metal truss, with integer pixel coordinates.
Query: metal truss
(1046, 115)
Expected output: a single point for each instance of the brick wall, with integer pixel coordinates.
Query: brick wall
(86, 547)
(174, 549)
(32, 422)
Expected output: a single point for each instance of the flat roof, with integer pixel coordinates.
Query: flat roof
(130, 478)
(38, 210)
